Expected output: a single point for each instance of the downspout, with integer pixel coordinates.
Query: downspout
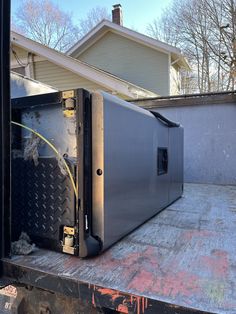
(29, 69)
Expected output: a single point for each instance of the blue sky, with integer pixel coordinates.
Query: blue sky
(137, 13)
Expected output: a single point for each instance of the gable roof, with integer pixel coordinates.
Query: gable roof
(107, 26)
(83, 69)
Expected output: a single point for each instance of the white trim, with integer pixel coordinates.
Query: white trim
(169, 73)
(104, 26)
(84, 39)
(83, 69)
(32, 58)
(27, 71)
(89, 44)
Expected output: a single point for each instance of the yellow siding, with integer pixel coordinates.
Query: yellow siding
(175, 80)
(60, 78)
(131, 61)
(56, 76)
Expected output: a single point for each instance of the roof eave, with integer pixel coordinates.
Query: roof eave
(91, 73)
(99, 30)
(71, 51)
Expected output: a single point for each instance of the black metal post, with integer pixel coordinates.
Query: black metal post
(5, 116)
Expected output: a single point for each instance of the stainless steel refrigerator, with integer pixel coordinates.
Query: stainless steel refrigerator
(125, 165)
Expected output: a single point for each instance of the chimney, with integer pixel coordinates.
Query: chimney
(117, 15)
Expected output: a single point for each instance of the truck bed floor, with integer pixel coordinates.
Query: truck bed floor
(185, 257)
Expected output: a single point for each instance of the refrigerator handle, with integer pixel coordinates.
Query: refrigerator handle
(88, 245)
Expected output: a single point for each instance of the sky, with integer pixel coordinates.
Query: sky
(136, 13)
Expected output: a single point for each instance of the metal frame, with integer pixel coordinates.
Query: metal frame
(5, 114)
(32, 101)
(98, 296)
(184, 96)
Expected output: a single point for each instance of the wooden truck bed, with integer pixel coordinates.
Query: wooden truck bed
(182, 260)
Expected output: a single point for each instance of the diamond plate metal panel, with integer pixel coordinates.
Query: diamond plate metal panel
(43, 201)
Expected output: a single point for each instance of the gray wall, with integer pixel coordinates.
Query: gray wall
(209, 136)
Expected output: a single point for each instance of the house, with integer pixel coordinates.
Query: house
(110, 58)
(132, 56)
(62, 72)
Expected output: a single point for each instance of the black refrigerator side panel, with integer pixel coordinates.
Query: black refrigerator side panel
(5, 128)
(88, 245)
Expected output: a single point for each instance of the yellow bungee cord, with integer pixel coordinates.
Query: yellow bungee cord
(54, 149)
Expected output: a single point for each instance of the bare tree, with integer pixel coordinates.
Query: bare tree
(94, 16)
(163, 28)
(205, 32)
(44, 22)
(223, 42)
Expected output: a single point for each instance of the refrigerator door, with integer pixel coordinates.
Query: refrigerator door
(131, 173)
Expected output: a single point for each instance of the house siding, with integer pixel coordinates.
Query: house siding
(130, 61)
(60, 78)
(56, 76)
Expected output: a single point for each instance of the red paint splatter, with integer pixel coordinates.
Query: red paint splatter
(146, 303)
(112, 293)
(171, 284)
(93, 300)
(140, 302)
(132, 260)
(180, 283)
(138, 305)
(143, 305)
(217, 263)
(189, 235)
(123, 309)
(142, 281)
